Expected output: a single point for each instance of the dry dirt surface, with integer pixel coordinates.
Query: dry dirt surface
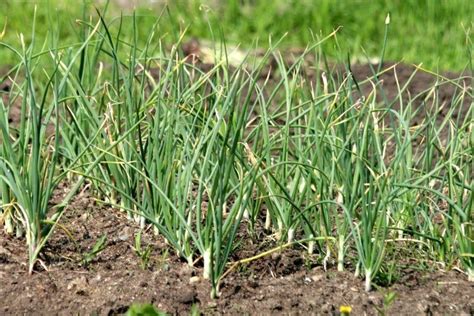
(286, 282)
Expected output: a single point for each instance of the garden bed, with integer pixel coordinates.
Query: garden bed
(284, 282)
(69, 278)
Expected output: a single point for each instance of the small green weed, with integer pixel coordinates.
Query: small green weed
(99, 246)
(143, 254)
(388, 300)
(144, 310)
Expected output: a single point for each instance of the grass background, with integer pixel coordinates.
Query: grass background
(437, 33)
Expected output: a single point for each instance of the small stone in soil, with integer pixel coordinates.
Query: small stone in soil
(187, 297)
(317, 277)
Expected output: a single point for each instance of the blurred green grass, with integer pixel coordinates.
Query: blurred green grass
(431, 32)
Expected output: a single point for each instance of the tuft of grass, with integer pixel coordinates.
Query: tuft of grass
(423, 31)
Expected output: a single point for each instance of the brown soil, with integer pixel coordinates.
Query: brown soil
(423, 89)
(286, 282)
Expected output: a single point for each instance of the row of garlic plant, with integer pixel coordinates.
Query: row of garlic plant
(30, 154)
(199, 154)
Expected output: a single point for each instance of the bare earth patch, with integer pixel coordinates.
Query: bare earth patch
(281, 283)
